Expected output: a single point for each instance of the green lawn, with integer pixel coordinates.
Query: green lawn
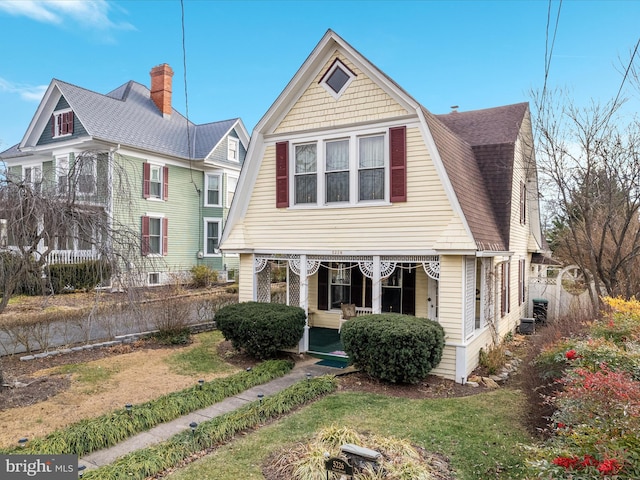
(480, 434)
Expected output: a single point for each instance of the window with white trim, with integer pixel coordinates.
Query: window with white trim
(233, 149)
(62, 123)
(155, 230)
(62, 174)
(306, 180)
(337, 171)
(212, 229)
(213, 182)
(337, 79)
(155, 180)
(371, 153)
(377, 169)
(232, 183)
(327, 171)
(33, 176)
(86, 175)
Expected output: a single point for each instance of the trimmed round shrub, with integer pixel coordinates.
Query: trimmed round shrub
(392, 347)
(261, 329)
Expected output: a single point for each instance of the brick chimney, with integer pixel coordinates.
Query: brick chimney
(161, 88)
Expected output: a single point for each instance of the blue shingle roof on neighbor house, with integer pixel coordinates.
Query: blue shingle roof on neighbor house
(128, 116)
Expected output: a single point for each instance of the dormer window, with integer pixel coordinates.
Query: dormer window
(337, 79)
(62, 123)
(232, 151)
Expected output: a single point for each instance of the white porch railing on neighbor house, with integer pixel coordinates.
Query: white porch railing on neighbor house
(69, 257)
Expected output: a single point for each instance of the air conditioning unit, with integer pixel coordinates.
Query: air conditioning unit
(200, 255)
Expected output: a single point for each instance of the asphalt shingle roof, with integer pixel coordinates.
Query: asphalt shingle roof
(477, 149)
(128, 116)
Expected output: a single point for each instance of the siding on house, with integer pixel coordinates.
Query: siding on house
(363, 101)
(78, 128)
(425, 221)
(183, 201)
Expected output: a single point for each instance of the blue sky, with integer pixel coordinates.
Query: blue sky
(240, 55)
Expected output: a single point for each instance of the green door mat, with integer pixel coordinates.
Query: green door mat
(333, 363)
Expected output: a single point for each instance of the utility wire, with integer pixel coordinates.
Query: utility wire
(548, 52)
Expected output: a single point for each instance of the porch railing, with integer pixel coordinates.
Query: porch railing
(69, 257)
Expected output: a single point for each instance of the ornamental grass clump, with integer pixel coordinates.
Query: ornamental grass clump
(183, 447)
(306, 461)
(393, 347)
(107, 430)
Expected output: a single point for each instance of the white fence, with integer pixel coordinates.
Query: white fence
(564, 289)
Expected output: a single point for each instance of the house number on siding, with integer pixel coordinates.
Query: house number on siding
(336, 252)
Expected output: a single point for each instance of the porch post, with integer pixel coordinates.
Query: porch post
(376, 286)
(304, 302)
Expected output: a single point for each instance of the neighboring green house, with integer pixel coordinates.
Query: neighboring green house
(143, 165)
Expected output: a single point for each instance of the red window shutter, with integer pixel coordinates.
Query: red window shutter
(53, 125)
(398, 170)
(165, 183)
(145, 236)
(282, 174)
(69, 128)
(146, 180)
(165, 236)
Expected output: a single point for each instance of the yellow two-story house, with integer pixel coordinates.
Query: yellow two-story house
(369, 199)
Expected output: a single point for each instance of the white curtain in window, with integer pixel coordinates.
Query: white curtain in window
(306, 158)
(306, 180)
(371, 152)
(337, 167)
(371, 168)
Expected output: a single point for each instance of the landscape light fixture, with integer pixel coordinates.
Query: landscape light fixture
(128, 407)
(81, 470)
(22, 442)
(260, 396)
(248, 369)
(308, 376)
(193, 426)
(200, 383)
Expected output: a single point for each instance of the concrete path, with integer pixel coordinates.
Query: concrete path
(164, 431)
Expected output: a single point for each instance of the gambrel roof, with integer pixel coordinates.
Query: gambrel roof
(473, 152)
(128, 116)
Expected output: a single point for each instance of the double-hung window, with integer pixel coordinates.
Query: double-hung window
(155, 181)
(306, 179)
(368, 166)
(232, 149)
(155, 230)
(86, 171)
(371, 168)
(33, 177)
(212, 187)
(211, 236)
(337, 171)
(62, 174)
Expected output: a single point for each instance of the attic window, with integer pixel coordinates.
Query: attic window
(337, 79)
(62, 123)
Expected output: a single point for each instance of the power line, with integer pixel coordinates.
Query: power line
(548, 52)
(626, 73)
(184, 65)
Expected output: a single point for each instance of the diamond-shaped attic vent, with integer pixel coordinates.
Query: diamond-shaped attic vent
(337, 79)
